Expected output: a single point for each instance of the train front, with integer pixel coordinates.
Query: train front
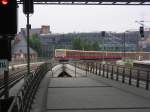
(60, 55)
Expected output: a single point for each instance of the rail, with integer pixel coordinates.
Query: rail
(13, 78)
(23, 100)
(132, 76)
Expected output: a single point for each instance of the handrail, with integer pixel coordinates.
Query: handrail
(116, 72)
(24, 98)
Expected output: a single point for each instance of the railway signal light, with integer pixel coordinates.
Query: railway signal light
(142, 31)
(8, 17)
(5, 49)
(28, 6)
(4, 2)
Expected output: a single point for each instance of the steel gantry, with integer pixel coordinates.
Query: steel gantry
(90, 2)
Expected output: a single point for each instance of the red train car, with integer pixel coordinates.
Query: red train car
(65, 54)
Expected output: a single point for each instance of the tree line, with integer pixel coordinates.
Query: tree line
(79, 44)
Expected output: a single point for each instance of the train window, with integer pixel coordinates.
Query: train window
(70, 53)
(67, 53)
(100, 54)
(83, 54)
(120, 54)
(86, 54)
(77, 53)
(80, 53)
(110, 54)
(93, 54)
(89, 54)
(113, 54)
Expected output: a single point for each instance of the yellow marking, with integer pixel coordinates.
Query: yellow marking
(65, 52)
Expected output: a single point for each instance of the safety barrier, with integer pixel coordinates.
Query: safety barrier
(140, 77)
(23, 100)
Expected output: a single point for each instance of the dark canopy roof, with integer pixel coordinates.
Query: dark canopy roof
(91, 2)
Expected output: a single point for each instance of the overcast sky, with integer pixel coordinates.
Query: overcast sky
(81, 18)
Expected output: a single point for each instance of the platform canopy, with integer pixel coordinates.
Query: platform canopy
(91, 2)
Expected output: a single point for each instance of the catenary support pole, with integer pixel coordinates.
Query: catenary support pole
(28, 48)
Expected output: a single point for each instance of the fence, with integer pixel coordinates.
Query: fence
(23, 100)
(132, 76)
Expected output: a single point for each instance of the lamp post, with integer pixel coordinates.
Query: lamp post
(28, 47)
(124, 46)
(103, 33)
(137, 45)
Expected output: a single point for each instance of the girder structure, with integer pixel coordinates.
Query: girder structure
(90, 2)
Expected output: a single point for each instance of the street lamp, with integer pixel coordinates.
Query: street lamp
(124, 46)
(103, 35)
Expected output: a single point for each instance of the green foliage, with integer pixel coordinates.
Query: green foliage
(79, 44)
(35, 43)
(95, 46)
(128, 63)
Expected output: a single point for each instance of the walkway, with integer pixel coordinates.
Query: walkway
(89, 94)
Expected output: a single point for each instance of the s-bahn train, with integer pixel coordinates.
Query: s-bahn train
(65, 54)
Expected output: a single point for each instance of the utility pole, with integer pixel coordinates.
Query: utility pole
(103, 35)
(8, 30)
(28, 46)
(124, 46)
(141, 30)
(28, 9)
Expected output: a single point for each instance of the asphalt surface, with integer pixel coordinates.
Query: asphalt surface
(89, 94)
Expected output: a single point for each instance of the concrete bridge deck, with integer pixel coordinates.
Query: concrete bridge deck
(89, 94)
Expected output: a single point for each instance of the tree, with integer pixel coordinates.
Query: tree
(95, 46)
(35, 43)
(77, 44)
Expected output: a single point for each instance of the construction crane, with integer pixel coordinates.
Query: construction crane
(142, 22)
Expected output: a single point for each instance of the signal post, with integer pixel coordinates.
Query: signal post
(8, 30)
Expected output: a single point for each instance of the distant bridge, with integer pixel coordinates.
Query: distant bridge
(90, 2)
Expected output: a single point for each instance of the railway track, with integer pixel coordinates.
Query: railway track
(14, 78)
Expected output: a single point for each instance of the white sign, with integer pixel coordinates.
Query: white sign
(3, 65)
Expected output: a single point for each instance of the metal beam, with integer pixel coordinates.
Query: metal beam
(90, 2)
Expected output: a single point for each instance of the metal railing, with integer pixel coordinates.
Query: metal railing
(23, 100)
(132, 76)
